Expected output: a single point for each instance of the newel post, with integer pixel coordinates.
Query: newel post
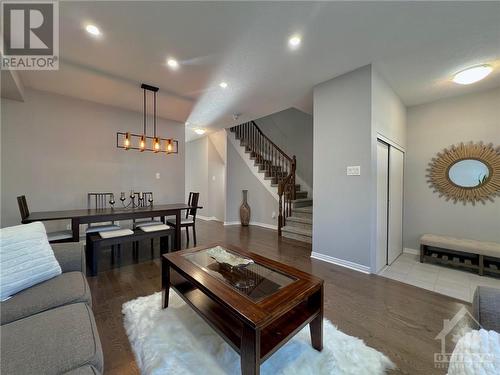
(294, 168)
(280, 208)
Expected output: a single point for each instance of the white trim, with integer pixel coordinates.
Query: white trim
(207, 218)
(341, 262)
(254, 223)
(407, 250)
(251, 165)
(391, 142)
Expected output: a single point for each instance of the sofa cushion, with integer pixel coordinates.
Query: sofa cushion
(27, 258)
(70, 255)
(486, 307)
(53, 342)
(70, 287)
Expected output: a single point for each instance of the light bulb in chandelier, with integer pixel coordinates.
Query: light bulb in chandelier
(142, 144)
(169, 145)
(157, 144)
(126, 142)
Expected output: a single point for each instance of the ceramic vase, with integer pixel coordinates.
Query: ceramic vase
(245, 210)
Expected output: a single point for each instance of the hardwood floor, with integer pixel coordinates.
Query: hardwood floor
(395, 318)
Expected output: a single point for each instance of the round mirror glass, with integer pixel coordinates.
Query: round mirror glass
(469, 173)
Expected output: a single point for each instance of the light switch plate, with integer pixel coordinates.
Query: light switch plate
(157, 175)
(354, 170)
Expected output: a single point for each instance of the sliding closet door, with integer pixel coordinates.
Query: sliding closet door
(395, 240)
(382, 197)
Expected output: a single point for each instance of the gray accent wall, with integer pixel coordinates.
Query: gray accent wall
(292, 131)
(432, 127)
(240, 177)
(343, 204)
(55, 149)
(206, 173)
(350, 111)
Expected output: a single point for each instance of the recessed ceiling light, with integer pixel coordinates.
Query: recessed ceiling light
(294, 41)
(473, 74)
(173, 63)
(200, 131)
(223, 84)
(93, 29)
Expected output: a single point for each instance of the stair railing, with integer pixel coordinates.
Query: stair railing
(274, 162)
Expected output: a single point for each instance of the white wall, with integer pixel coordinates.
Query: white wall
(292, 131)
(432, 127)
(55, 149)
(197, 171)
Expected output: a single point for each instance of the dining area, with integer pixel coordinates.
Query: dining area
(111, 220)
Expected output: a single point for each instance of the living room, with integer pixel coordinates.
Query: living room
(250, 187)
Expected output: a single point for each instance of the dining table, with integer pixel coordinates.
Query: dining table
(98, 215)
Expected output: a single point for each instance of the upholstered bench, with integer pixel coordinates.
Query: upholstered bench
(478, 251)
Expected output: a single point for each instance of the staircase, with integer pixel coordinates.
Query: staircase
(295, 207)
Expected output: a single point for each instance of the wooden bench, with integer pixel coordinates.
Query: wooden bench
(453, 251)
(95, 242)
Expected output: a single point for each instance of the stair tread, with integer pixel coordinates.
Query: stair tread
(307, 209)
(302, 200)
(301, 231)
(296, 219)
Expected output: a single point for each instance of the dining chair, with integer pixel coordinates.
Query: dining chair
(190, 220)
(53, 237)
(100, 201)
(137, 223)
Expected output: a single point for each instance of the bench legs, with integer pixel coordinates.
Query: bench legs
(422, 253)
(481, 265)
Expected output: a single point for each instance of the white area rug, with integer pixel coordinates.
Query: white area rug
(177, 341)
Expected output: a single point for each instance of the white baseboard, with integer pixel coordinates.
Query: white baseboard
(207, 218)
(256, 223)
(407, 250)
(341, 262)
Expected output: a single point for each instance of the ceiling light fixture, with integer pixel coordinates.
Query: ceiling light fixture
(173, 63)
(93, 30)
(294, 41)
(143, 142)
(472, 74)
(223, 84)
(200, 131)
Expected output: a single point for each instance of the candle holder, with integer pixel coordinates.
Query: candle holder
(137, 199)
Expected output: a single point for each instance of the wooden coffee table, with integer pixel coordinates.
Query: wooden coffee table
(256, 307)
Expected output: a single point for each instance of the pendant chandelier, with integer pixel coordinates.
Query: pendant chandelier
(144, 142)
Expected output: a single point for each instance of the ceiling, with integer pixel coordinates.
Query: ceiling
(416, 46)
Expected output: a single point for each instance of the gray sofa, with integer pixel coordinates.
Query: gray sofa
(50, 328)
(486, 307)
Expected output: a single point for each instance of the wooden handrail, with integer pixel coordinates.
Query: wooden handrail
(274, 144)
(275, 163)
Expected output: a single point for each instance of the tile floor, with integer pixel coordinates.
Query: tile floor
(440, 279)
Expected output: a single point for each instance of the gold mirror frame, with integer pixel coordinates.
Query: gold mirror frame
(439, 167)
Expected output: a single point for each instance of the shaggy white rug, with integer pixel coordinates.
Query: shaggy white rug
(177, 341)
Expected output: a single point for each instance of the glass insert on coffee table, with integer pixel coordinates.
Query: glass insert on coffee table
(254, 303)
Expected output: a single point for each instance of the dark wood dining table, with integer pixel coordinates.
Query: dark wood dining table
(87, 216)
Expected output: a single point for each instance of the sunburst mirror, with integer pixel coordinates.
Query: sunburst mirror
(466, 172)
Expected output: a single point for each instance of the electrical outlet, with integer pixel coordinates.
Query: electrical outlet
(213, 178)
(68, 226)
(273, 215)
(157, 175)
(354, 170)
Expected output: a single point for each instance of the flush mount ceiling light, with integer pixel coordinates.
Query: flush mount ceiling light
(143, 142)
(472, 74)
(294, 41)
(93, 30)
(200, 131)
(172, 63)
(223, 84)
